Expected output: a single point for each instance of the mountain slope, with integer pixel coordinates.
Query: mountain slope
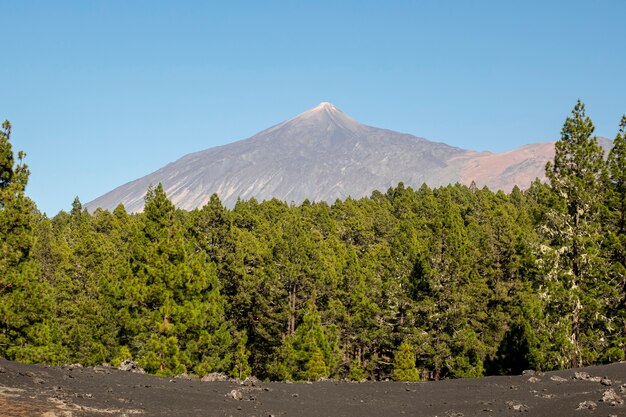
(323, 154)
(502, 171)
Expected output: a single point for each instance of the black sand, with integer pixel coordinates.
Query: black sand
(39, 390)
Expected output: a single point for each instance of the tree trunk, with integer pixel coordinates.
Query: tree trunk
(576, 360)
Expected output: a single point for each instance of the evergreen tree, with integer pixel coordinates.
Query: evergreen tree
(361, 327)
(241, 367)
(16, 210)
(445, 297)
(357, 372)
(310, 352)
(576, 268)
(404, 364)
(517, 351)
(617, 175)
(26, 331)
(616, 244)
(316, 366)
(175, 306)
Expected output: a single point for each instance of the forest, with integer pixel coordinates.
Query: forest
(407, 284)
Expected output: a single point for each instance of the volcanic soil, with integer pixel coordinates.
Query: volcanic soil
(68, 391)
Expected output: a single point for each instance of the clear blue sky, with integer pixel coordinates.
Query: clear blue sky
(103, 92)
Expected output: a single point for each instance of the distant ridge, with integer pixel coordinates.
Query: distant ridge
(322, 155)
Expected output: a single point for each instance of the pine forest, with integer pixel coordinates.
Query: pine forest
(408, 284)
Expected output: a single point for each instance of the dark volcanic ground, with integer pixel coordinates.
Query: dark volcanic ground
(39, 390)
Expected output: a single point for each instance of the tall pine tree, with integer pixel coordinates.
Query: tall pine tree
(576, 267)
(26, 333)
(617, 240)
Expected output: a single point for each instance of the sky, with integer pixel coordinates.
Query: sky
(100, 93)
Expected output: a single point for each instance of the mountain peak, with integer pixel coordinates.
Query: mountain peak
(322, 116)
(325, 105)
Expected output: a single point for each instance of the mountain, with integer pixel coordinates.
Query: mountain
(324, 154)
(502, 171)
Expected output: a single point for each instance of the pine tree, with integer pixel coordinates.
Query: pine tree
(316, 366)
(404, 364)
(26, 331)
(576, 268)
(357, 372)
(16, 210)
(86, 264)
(174, 297)
(163, 356)
(295, 357)
(617, 241)
(617, 174)
(361, 327)
(241, 367)
(445, 299)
